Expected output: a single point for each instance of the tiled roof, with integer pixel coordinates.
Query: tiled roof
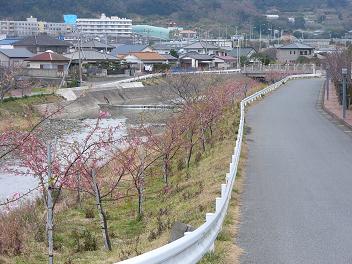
(296, 46)
(41, 40)
(96, 44)
(126, 49)
(169, 57)
(148, 56)
(201, 45)
(197, 56)
(17, 53)
(48, 56)
(226, 58)
(91, 55)
(243, 51)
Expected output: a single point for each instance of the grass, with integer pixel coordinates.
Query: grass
(192, 195)
(226, 250)
(20, 113)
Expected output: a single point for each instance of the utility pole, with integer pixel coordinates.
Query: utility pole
(260, 38)
(344, 92)
(79, 58)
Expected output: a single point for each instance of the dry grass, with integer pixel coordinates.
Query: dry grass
(20, 113)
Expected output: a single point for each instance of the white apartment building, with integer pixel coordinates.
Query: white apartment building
(31, 27)
(112, 26)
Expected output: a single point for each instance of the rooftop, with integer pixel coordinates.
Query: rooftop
(48, 56)
(126, 49)
(17, 53)
(96, 44)
(91, 55)
(201, 45)
(41, 40)
(197, 56)
(148, 56)
(296, 46)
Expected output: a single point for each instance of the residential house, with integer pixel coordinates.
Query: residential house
(47, 64)
(97, 45)
(42, 43)
(126, 49)
(224, 62)
(7, 43)
(14, 57)
(243, 52)
(92, 61)
(90, 56)
(145, 61)
(188, 34)
(291, 52)
(196, 60)
(162, 48)
(201, 47)
(170, 59)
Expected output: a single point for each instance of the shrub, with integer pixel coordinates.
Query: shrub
(198, 157)
(89, 241)
(89, 212)
(12, 234)
(181, 164)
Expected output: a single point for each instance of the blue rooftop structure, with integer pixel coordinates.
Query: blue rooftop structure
(8, 41)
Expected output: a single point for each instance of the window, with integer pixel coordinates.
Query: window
(301, 52)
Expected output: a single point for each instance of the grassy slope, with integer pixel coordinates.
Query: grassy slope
(20, 113)
(192, 195)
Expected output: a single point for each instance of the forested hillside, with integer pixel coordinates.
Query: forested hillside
(222, 11)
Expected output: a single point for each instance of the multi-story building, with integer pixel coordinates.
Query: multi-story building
(105, 26)
(32, 27)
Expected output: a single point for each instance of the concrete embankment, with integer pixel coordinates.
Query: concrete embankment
(84, 102)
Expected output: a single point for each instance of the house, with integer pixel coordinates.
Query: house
(48, 64)
(162, 48)
(145, 61)
(187, 34)
(200, 47)
(42, 43)
(224, 62)
(7, 43)
(170, 59)
(291, 52)
(97, 45)
(14, 57)
(243, 52)
(196, 60)
(126, 49)
(90, 56)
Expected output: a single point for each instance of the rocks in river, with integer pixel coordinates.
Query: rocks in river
(59, 127)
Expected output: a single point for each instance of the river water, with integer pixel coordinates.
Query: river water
(11, 184)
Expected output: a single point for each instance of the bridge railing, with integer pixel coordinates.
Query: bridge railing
(194, 245)
(293, 68)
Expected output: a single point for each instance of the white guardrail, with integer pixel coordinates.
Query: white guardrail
(194, 245)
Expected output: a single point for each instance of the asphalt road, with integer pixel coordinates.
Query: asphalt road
(297, 203)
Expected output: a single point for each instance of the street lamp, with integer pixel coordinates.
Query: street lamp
(344, 92)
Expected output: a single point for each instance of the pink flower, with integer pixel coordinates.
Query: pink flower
(104, 114)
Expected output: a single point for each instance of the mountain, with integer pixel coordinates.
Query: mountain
(230, 12)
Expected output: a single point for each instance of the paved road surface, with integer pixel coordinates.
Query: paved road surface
(297, 204)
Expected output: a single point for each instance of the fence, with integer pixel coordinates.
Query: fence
(194, 245)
